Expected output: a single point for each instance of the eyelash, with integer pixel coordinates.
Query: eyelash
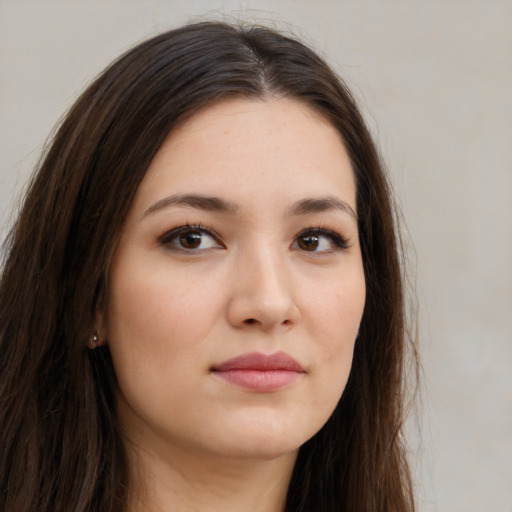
(339, 242)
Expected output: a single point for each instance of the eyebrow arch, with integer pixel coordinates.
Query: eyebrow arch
(206, 203)
(321, 204)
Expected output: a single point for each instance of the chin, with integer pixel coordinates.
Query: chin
(260, 449)
(264, 442)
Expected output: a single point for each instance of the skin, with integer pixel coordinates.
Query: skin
(255, 283)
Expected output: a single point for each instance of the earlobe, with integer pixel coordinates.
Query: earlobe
(93, 341)
(98, 337)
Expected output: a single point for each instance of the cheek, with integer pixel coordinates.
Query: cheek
(335, 310)
(334, 319)
(154, 304)
(156, 323)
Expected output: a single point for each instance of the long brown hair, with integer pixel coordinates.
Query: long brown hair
(60, 444)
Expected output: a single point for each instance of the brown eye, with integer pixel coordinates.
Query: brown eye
(190, 239)
(193, 239)
(319, 240)
(308, 242)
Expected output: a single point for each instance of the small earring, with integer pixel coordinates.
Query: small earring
(94, 341)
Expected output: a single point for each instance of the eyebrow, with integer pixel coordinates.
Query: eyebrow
(321, 204)
(206, 203)
(216, 204)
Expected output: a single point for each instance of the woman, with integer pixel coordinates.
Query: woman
(201, 305)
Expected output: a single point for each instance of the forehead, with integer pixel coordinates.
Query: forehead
(279, 148)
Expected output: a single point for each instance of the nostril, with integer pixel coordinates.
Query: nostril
(252, 321)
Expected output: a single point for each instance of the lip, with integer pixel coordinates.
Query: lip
(260, 372)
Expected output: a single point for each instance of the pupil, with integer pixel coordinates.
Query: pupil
(191, 240)
(308, 243)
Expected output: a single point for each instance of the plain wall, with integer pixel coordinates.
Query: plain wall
(434, 80)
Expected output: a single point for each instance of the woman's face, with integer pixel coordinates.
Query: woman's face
(237, 288)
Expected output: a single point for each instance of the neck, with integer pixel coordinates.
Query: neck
(184, 482)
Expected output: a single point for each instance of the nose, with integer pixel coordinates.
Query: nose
(262, 293)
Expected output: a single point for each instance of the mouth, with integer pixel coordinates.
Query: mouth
(260, 372)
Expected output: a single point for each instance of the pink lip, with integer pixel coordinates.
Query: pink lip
(260, 372)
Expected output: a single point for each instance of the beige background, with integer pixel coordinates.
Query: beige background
(434, 78)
